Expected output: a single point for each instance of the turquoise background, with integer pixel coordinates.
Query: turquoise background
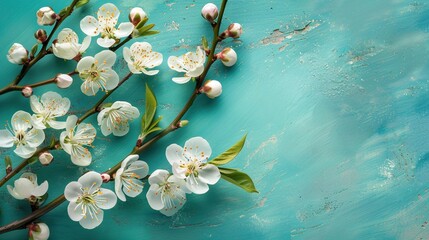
(336, 117)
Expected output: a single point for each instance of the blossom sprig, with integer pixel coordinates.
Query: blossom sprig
(190, 63)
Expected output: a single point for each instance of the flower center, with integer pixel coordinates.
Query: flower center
(20, 137)
(92, 74)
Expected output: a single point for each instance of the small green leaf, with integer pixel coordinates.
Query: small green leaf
(146, 28)
(34, 49)
(142, 23)
(81, 3)
(205, 43)
(149, 33)
(238, 178)
(64, 11)
(148, 124)
(229, 154)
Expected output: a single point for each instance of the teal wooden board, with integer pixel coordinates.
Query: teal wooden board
(336, 117)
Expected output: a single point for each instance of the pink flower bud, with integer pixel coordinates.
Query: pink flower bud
(63, 81)
(27, 91)
(46, 158)
(209, 12)
(234, 30)
(46, 16)
(212, 88)
(105, 177)
(136, 15)
(38, 231)
(41, 36)
(228, 57)
(17, 54)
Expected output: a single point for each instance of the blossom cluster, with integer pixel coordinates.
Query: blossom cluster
(191, 172)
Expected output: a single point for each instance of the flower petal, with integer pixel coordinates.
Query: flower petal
(176, 64)
(56, 124)
(118, 185)
(105, 59)
(35, 105)
(129, 159)
(196, 72)
(14, 193)
(85, 64)
(106, 42)
(127, 55)
(209, 174)
(80, 156)
(199, 148)
(135, 189)
(67, 147)
(21, 121)
(71, 122)
(124, 30)
(159, 176)
(24, 151)
(91, 222)
(105, 199)
(153, 197)
(90, 26)
(174, 154)
(89, 88)
(74, 211)
(24, 187)
(112, 78)
(108, 14)
(195, 185)
(91, 180)
(41, 190)
(37, 121)
(150, 73)
(73, 191)
(139, 168)
(181, 80)
(85, 44)
(35, 137)
(6, 139)
(133, 69)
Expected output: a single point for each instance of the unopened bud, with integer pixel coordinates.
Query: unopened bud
(209, 12)
(17, 54)
(183, 123)
(234, 30)
(38, 231)
(228, 57)
(46, 158)
(46, 16)
(105, 177)
(212, 88)
(136, 15)
(41, 36)
(63, 80)
(27, 92)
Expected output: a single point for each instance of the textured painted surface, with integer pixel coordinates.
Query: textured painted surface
(336, 114)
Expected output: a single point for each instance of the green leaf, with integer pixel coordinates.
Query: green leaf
(146, 28)
(142, 23)
(148, 124)
(238, 178)
(149, 33)
(64, 11)
(229, 154)
(81, 3)
(34, 49)
(205, 43)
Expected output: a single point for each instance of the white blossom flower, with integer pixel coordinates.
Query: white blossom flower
(26, 186)
(97, 72)
(22, 134)
(39, 231)
(140, 57)
(87, 200)
(107, 15)
(17, 54)
(115, 119)
(127, 179)
(46, 109)
(167, 193)
(212, 88)
(46, 16)
(74, 138)
(190, 163)
(191, 63)
(67, 45)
